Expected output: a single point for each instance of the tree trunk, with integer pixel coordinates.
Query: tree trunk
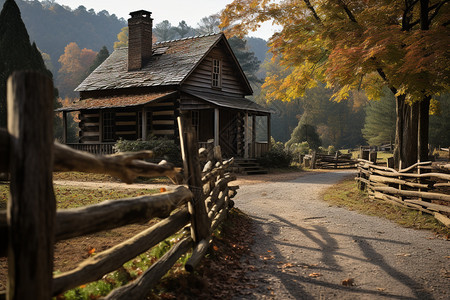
(406, 133)
(423, 127)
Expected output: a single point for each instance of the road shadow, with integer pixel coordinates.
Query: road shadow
(326, 243)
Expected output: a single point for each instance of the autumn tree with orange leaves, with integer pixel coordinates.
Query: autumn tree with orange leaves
(359, 44)
(74, 64)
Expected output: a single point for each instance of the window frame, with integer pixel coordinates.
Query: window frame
(216, 73)
(108, 130)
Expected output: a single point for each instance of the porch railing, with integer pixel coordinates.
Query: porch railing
(100, 148)
(261, 148)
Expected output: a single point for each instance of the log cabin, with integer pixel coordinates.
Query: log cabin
(140, 90)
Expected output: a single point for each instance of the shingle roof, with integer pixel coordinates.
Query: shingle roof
(178, 59)
(117, 101)
(240, 103)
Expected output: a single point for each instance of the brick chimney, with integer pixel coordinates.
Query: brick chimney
(139, 39)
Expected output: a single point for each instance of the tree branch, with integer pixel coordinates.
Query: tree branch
(436, 10)
(347, 11)
(313, 11)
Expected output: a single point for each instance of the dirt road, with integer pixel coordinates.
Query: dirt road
(305, 249)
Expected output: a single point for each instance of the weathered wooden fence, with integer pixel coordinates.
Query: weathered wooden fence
(326, 161)
(420, 187)
(31, 225)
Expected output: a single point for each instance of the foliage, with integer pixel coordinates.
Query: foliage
(276, 157)
(122, 38)
(352, 44)
(161, 147)
(379, 125)
(53, 26)
(16, 51)
(440, 123)
(305, 133)
(183, 29)
(164, 31)
(102, 55)
(208, 25)
(75, 62)
(247, 59)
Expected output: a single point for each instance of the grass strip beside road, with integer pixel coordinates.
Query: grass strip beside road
(346, 194)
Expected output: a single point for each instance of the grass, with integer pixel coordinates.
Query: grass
(89, 177)
(72, 197)
(346, 194)
(129, 272)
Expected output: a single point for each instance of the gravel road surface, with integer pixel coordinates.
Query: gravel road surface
(306, 249)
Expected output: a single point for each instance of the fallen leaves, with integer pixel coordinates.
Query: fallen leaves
(348, 282)
(91, 251)
(267, 257)
(315, 275)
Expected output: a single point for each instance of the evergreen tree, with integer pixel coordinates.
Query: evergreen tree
(305, 132)
(102, 55)
(16, 51)
(440, 123)
(379, 126)
(247, 59)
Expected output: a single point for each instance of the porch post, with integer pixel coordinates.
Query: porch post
(246, 136)
(144, 124)
(216, 127)
(253, 136)
(64, 120)
(269, 133)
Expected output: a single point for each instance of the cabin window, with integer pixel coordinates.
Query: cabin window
(216, 73)
(108, 126)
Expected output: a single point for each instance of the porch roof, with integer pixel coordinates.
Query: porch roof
(115, 101)
(239, 103)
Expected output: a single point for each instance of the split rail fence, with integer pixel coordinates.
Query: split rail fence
(421, 187)
(32, 225)
(327, 161)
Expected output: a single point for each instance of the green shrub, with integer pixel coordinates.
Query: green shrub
(163, 148)
(276, 157)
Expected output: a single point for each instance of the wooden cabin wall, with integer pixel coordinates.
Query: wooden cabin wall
(163, 115)
(201, 79)
(161, 118)
(228, 135)
(89, 126)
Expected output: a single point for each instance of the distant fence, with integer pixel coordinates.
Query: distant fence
(326, 161)
(99, 148)
(421, 187)
(32, 226)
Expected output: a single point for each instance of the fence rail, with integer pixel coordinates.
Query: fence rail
(421, 187)
(98, 148)
(202, 202)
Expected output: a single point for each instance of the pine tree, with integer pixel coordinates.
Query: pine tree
(102, 55)
(16, 51)
(379, 126)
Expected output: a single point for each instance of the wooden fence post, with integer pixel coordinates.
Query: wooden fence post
(32, 206)
(200, 228)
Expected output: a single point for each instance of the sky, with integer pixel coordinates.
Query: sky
(175, 11)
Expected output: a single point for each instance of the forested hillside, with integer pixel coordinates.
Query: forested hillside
(53, 26)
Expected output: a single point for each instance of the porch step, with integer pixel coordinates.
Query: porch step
(249, 166)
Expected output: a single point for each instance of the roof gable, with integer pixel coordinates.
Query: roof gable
(171, 64)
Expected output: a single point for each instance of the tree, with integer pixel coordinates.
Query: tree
(379, 125)
(183, 29)
(16, 51)
(122, 38)
(209, 25)
(74, 64)
(164, 31)
(440, 123)
(102, 55)
(359, 44)
(305, 132)
(247, 59)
